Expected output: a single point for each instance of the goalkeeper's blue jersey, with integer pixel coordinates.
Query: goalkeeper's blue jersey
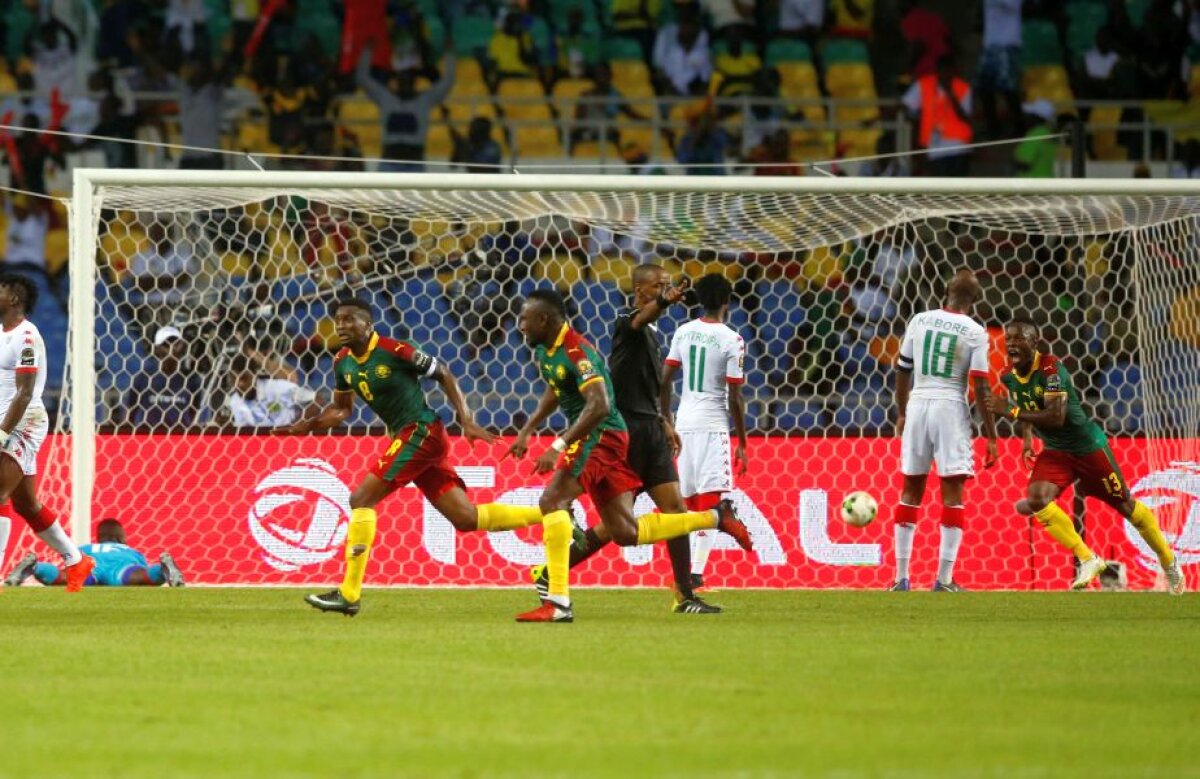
(113, 558)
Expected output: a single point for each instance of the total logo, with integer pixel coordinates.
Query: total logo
(299, 515)
(1174, 495)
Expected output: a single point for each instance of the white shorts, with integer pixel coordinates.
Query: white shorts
(26, 441)
(937, 430)
(705, 463)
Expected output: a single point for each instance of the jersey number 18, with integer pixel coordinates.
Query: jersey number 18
(937, 358)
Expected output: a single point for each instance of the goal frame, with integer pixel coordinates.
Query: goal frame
(84, 216)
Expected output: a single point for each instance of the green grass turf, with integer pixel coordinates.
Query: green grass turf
(243, 682)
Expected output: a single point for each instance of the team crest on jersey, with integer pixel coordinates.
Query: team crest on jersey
(383, 371)
(585, 367)
(1038, 391)
(561, 372)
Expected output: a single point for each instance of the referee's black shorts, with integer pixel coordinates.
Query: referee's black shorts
(650, 452)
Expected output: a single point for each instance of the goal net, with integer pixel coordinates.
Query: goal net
(200, 310)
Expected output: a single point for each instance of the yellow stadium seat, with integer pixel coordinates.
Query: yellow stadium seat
(843, 78)
(561, 270)
(641, 134)
(538, 141)
(566, 92)
(360, 116)
(236, 264)
(438, 143)
(695, 269)
(524, 99)
(632, 78)
(468, 78)
(1042, 78)
(1104, 140)
(589, 150)
(58, 249)
(614, 270)
(811, 145)
(822, 264)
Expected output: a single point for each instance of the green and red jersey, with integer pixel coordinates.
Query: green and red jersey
(568, 366)
(388, 378)
(1048, 376)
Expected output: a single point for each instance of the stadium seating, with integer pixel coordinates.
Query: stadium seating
(776, 323)
(1084, 19)
(1104, 140)
(1040, 44)
(472, 35)
(800, 414)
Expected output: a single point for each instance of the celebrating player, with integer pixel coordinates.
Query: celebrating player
(23, 423)
(712, 357)
(387, 375)
(944, 347)
(117, 564)
(1043, 401)
(636, 365)
(594, 455)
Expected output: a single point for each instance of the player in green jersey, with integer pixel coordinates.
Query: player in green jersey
(387, 375)
(590, 456)
(1043, 401)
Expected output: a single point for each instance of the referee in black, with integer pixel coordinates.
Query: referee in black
(636, 366)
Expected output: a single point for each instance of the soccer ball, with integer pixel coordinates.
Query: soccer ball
(859, 508)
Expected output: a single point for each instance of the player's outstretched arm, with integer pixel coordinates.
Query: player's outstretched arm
(333, 415)
(546, 406)
(982, 393)
(25, 381)
(649, 313)
(595, 409)
(471, 430)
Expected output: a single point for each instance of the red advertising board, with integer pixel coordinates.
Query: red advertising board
(272, 510)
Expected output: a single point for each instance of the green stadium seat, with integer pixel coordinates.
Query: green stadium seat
(1136, 9)
(1083, 20)
(1040, 44)
(619, 48)
(843, 50)
(785, 50)
(472, 35)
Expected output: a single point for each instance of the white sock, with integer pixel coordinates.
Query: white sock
(904, 539)
(57, 539)
(559, 600)
(702, 544)
(5, 528)
(951, 540)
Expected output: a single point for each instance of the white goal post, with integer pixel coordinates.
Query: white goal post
(868, 251)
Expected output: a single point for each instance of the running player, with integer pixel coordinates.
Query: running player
(712, 359)
(594, 454)
(1043, 401)
(117, 564)
(945, 348)
(636, 364)
(387, 375)
(23, 423)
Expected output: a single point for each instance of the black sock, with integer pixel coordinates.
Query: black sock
(680, 550)
(592, 543)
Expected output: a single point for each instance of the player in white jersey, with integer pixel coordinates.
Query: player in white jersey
(711, 356)
(941, 351)
(23, 422)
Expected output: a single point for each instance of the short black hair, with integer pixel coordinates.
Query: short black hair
(27, 291)
(108, 528)
(550, 298)
(714, 291)
(358, 303)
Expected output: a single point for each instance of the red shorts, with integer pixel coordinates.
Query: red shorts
(418, 455)
(1095, 474)
(601, 464)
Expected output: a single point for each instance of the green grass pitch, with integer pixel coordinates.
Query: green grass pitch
(240, 682)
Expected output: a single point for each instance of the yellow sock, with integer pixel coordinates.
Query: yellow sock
(359, 536)
(659, 527)
(500, 516)
(556, 535)
(1147, 527)
(1059, 526)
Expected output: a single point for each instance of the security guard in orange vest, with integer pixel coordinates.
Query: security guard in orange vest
(941, 103)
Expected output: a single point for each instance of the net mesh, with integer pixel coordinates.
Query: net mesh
(823, 287)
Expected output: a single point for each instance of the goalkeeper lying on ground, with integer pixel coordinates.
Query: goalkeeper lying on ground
(117, 564)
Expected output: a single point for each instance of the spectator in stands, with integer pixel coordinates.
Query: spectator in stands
(729, 16)
(114, 123)
(802, 19)
(478, 151)
(261, 399)
(54, 50)
(1035, 155)
(941, 104)
(404, 112)
(511, 53)
(1187, 163)
(737, 67)
(288, 106)
(162, 273)
(765, 112)
(1106, 75)
(637, 20)
(165, 396)
(682, 63)
(870, 305)
(117, 22)
(365, 29)
(1160, 52)
(411, 47)
(185, 28)
(578, 47)
(703, 146)
(201, 99)
(999, 64)
(29, 151)
(852, 18)
(29, 221)
(927, 35)
(638, 160)
(596, 114)
(773, 157)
